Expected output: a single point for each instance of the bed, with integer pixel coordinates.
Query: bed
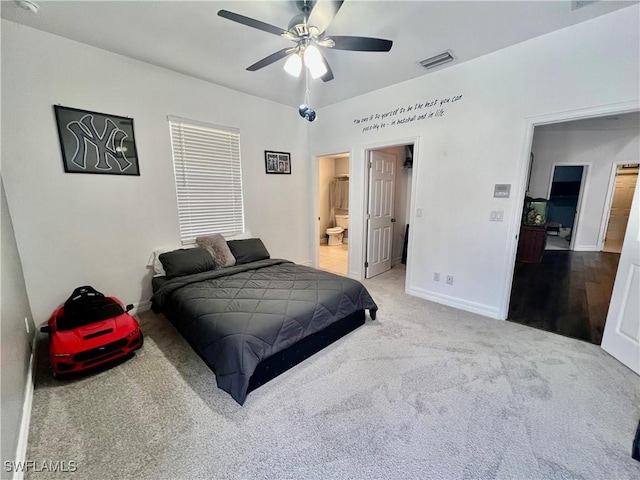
(256, 319)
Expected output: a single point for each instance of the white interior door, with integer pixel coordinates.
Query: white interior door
(382, 181)
(621, 336)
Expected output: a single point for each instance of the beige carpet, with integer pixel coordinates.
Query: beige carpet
(425, 391)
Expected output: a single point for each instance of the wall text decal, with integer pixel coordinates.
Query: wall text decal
(406, 114)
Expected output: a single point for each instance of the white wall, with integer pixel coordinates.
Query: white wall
(70, 227)
(76, 229)
(342, 166)
(16, 343)
(475, 141)
(586, 143)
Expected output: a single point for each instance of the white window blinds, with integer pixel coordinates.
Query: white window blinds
(206, 162)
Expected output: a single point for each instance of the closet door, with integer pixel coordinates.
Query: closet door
(382, 182)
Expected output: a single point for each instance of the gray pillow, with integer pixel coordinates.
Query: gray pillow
(217, 247)
(249, 250)
(186, 261)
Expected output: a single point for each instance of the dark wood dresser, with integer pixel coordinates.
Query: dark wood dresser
(531, 243)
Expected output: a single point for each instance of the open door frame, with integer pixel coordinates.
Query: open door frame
(602, 236)
(519, 191)
(583, 188)
(363, 158)
(523, 170)
(315, 204)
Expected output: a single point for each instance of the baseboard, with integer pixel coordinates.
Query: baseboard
(141, 307)
(396, 261)
(23, 437)
(585, 248)
(455, 302)
(307, 263)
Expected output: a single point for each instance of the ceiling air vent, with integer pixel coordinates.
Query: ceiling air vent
(437, 60)
(576, 4)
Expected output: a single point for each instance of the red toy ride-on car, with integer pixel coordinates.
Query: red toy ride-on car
(90, 330)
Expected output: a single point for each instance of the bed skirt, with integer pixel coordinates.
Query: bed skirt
(282, 361)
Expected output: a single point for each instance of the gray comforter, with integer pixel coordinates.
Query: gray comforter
(238, 316)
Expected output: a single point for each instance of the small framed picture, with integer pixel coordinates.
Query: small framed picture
(277, 162)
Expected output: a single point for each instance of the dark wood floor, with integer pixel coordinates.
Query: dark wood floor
(568, 293)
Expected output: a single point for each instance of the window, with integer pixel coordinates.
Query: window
(206, 161)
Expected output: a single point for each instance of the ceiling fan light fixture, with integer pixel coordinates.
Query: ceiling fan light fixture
(293, 66)
(307, 31)
(313, 61)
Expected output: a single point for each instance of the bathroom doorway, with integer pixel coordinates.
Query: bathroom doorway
(333, 214)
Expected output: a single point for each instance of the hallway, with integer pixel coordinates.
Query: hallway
(568, 293)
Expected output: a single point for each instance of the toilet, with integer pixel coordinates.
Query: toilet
(336, 233)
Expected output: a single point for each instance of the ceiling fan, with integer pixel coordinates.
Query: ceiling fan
(307, 31)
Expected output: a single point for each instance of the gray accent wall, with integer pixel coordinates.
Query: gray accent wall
(16, 342)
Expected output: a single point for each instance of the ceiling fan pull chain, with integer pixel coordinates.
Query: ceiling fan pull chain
(305, 109)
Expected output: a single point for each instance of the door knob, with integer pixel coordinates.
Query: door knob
(393, 220)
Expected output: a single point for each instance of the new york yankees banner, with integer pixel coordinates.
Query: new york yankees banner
(94, 142)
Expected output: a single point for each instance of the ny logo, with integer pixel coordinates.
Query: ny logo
(108, 145)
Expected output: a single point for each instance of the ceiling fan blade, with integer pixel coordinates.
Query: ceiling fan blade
(361, 44)
(323, 12)
(251, 22)
(274, 57)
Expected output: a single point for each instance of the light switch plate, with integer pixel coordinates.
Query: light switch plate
(496, 215)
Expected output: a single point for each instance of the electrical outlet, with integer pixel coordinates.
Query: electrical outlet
(450, 279)
(436, 277)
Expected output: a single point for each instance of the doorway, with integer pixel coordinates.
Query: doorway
(565, 193)
(624, 185)
(333, 213)
(389, 172)
(569, 290)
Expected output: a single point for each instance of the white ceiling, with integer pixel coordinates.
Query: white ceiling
(190, 38)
